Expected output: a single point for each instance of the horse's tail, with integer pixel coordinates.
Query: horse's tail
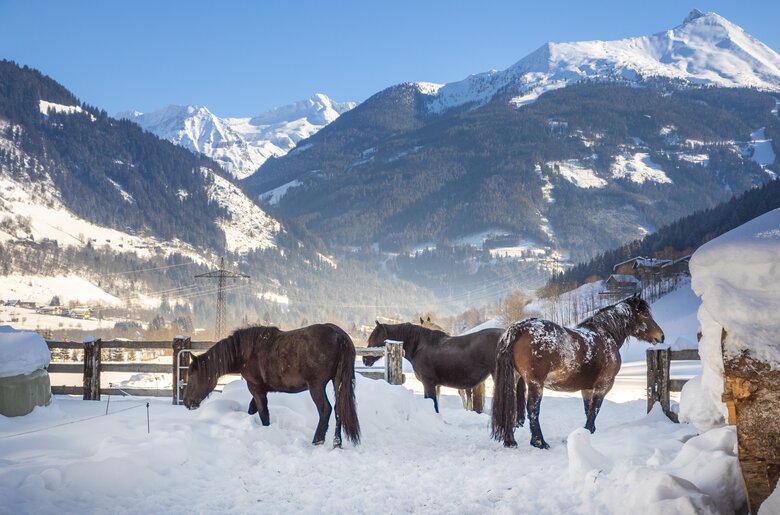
(504, 412)
(344, 384)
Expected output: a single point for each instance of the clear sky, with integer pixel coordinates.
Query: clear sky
(240, 58)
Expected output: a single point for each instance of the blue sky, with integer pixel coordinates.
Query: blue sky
(240, 58)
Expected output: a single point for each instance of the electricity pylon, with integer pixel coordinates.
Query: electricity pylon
(221, 275)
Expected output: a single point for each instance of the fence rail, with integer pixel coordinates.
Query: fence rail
(659, 381)
(181, 347)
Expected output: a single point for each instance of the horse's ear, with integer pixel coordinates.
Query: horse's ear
(377, 322)
(429, 319)
(422, 321)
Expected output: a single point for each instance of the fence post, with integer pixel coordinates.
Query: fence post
(659, 361)
(394, 356)
(180, 343)
(92, 348)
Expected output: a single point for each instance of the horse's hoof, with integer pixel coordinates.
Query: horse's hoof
(540, 444)
(510, 445)
(318, 442)
(337, 443)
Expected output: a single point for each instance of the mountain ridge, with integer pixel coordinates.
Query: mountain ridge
(682, 53)
(240, 145)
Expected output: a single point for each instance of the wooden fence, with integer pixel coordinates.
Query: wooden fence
(659, 381)
(181, 348)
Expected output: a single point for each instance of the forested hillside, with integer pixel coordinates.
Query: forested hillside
(107, 171)
(583, 169)
(680, 237)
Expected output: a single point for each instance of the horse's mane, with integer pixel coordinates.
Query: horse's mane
(225, 356)
(615, 319)
(415, 332)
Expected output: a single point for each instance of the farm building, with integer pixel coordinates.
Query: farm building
(620, 285)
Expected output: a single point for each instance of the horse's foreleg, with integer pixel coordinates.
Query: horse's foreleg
(535, 391)
(259, 403)
(430, 390)
(320, 399)
(593, 410)
(520, 402)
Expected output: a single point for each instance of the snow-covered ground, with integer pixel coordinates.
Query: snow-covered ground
(73, 457)
(219, 459)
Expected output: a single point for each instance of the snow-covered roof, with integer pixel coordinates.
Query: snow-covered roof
(738, 278)
(21, 352)
(621, 278)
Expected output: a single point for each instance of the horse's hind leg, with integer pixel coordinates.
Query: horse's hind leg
(535, 391)
(320, 399)
(337, 436)
(520, 402)
(430, 391)
(478, 397)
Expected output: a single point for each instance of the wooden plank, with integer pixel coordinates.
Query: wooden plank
(394, 362)
(378, 352)
(66, 368)
(140, 392)
(676, 385)
(64, 345)
(686, 355)
(92, 369)
(128, 345)
(136, 345)
(154, 368)
(371, 374)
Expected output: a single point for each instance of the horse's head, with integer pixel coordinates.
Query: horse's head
(646, 328)
(198, 384)
(377, 339)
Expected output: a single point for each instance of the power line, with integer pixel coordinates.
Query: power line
(221, 275)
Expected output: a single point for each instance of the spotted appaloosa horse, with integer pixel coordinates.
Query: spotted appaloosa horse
(545, 354)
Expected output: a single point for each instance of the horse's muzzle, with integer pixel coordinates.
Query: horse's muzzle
(661, 339)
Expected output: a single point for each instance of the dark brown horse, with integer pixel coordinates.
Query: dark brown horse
(473, 399)
(585, 358)
(272, 360)
(439, 359)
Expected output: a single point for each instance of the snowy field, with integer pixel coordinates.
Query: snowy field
(219, 459)
(72, 457)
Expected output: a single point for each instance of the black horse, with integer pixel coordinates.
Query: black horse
(585, 358)
(438, 359)
(272, 360)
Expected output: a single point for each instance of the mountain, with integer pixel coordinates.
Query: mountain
(241, 145)
(73, 173)
(706, 49)
(646, 131)
(83, 194)
(679, 238)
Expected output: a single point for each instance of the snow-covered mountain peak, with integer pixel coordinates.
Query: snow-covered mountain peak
(694, 14)
(705, 49)
(241, 145)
